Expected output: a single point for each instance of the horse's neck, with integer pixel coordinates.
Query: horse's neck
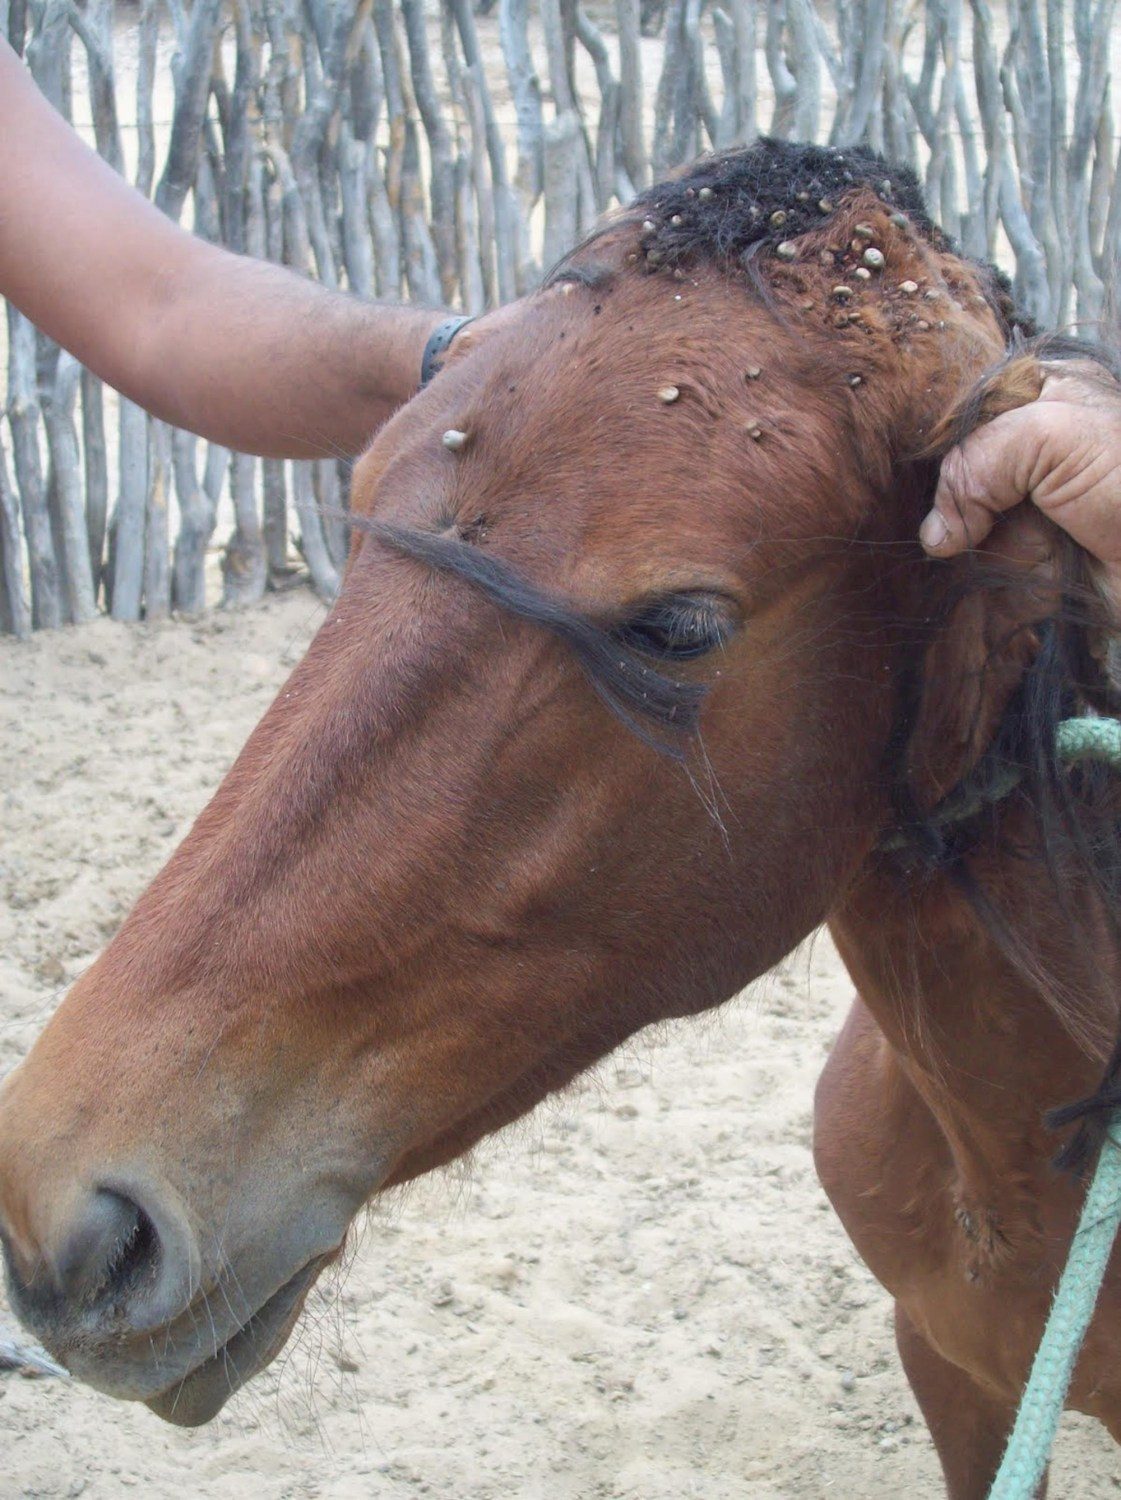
(976, 1039)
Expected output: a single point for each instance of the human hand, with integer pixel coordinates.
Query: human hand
(1062, 451)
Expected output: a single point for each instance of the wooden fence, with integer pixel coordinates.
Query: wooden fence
(436, 150)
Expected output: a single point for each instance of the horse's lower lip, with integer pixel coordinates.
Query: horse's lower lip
(199, 1395)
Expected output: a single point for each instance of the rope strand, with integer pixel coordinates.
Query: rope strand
(1028, 1452)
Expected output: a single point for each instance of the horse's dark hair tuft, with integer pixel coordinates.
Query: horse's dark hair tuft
(731, 207)
(736, 202)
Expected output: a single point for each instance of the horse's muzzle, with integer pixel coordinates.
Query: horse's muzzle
(121, 1296)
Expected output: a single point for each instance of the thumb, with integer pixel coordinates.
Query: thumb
(986, 475)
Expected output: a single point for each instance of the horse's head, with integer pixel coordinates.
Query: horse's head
(605, 717)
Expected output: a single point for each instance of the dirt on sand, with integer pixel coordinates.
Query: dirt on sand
(639, 1293)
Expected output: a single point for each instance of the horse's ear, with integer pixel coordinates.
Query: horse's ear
(984, 637)
(984, 608)
(1016, 381)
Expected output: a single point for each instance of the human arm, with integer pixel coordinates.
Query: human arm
(1062, 451)
(239, 350)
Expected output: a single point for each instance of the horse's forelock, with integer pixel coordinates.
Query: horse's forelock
(726, 205)
(732, 208)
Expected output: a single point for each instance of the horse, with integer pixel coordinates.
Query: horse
(636, 677)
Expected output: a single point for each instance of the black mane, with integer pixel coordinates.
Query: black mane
(1077, 811)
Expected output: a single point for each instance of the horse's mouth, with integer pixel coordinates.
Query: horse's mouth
(199, 1395)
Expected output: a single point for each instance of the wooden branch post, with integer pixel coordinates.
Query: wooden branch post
(447, 151)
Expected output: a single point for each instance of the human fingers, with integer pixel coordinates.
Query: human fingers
(984, 476)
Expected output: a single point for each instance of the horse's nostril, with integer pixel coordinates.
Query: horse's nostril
(112, 1251)
(123, 1261)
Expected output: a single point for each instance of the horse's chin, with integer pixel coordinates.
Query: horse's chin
(200, 1395)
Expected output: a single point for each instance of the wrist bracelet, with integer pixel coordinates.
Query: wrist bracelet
(437, 345)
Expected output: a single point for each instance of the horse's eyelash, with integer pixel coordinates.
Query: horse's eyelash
(683, 623)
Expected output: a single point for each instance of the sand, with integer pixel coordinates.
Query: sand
(641, 1292)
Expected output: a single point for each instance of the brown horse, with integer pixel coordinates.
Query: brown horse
(636, 674)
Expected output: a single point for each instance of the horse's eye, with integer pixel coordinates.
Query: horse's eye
(678, 626)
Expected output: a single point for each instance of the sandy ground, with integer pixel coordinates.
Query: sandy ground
(639, 1293)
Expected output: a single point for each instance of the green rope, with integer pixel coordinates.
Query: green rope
(1029, 1448)
(1089, 739)
(1075, 739)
